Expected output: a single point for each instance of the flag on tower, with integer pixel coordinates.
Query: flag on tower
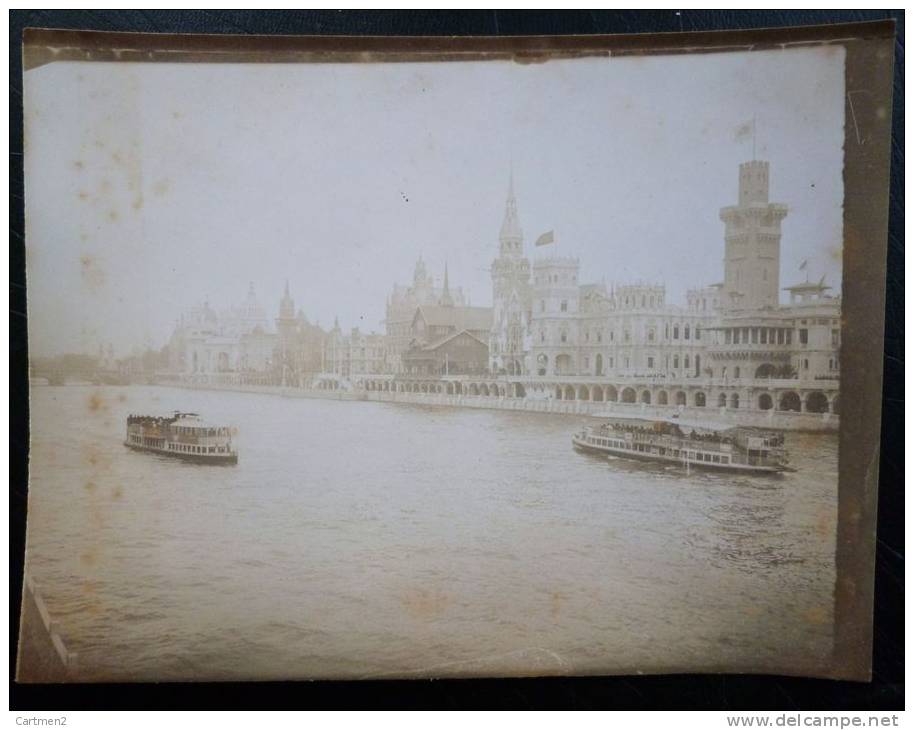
(803, 265)
(546, 239)
(745, 131)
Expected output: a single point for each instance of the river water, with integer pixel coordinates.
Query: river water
(358, 539)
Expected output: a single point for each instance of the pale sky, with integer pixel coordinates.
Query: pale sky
(151, 187)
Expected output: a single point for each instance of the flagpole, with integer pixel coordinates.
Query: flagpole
(753, 137)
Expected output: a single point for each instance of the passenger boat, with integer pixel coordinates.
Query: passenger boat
(182, 436)
(687, 443)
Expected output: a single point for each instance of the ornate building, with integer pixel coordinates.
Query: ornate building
(401, 308)
(297, 354)
(629, 331)
(349, 358)
(448, 340)
(756, 338)
(236, 340)
(509, 340)
(735, 334)
(240, 340)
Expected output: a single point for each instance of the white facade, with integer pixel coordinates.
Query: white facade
(239, 339)
(728, 332)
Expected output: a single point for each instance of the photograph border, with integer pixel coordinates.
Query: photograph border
(869, 79)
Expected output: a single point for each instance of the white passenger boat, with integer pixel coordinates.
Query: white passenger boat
(182, 436)
(687, 443)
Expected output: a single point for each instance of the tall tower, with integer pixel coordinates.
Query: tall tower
(511, 236)
(286, 321)
(446, 299)
(286, 305)
(422, 282)
(286, 325)
(509, 340)
(752, 232)
(556, 294)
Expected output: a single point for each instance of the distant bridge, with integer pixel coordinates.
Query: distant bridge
(60, 376)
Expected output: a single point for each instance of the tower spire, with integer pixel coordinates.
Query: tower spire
(446, 299)
(511, 236)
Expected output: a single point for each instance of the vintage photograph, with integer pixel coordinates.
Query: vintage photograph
(434, 368)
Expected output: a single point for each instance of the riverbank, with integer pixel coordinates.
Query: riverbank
(783, 420)
(43, 656)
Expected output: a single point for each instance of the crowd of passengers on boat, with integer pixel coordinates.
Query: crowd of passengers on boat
(671, 429)
(153, 421)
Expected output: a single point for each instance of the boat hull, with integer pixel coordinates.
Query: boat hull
(214, 459)
(581, 444)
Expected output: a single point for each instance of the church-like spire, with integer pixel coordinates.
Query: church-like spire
(286, 304)
(446, 299)
(420, 274)
(511, 236)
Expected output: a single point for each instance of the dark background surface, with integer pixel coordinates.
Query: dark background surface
(722, 692)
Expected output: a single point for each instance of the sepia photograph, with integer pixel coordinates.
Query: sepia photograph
(353, 367)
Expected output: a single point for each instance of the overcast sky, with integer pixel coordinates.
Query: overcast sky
(151, 187)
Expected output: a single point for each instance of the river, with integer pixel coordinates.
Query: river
(360, 539)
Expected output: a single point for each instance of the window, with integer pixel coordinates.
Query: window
(542, 305)
(542, 336)
(564, 336)
(564, 305)
(587, 336)
(650, 335)
(834, 338)
(675, 362)
(676, 332)
(804, 337)
(736, 372)
(650, 363)
(599, 335)
(685, 334)
(686, 362)
(806, 364)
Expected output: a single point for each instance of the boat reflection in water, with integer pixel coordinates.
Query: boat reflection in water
(689, 443)
(182, 436)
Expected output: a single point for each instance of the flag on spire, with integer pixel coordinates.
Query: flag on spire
(547, 238)
(744, 131)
